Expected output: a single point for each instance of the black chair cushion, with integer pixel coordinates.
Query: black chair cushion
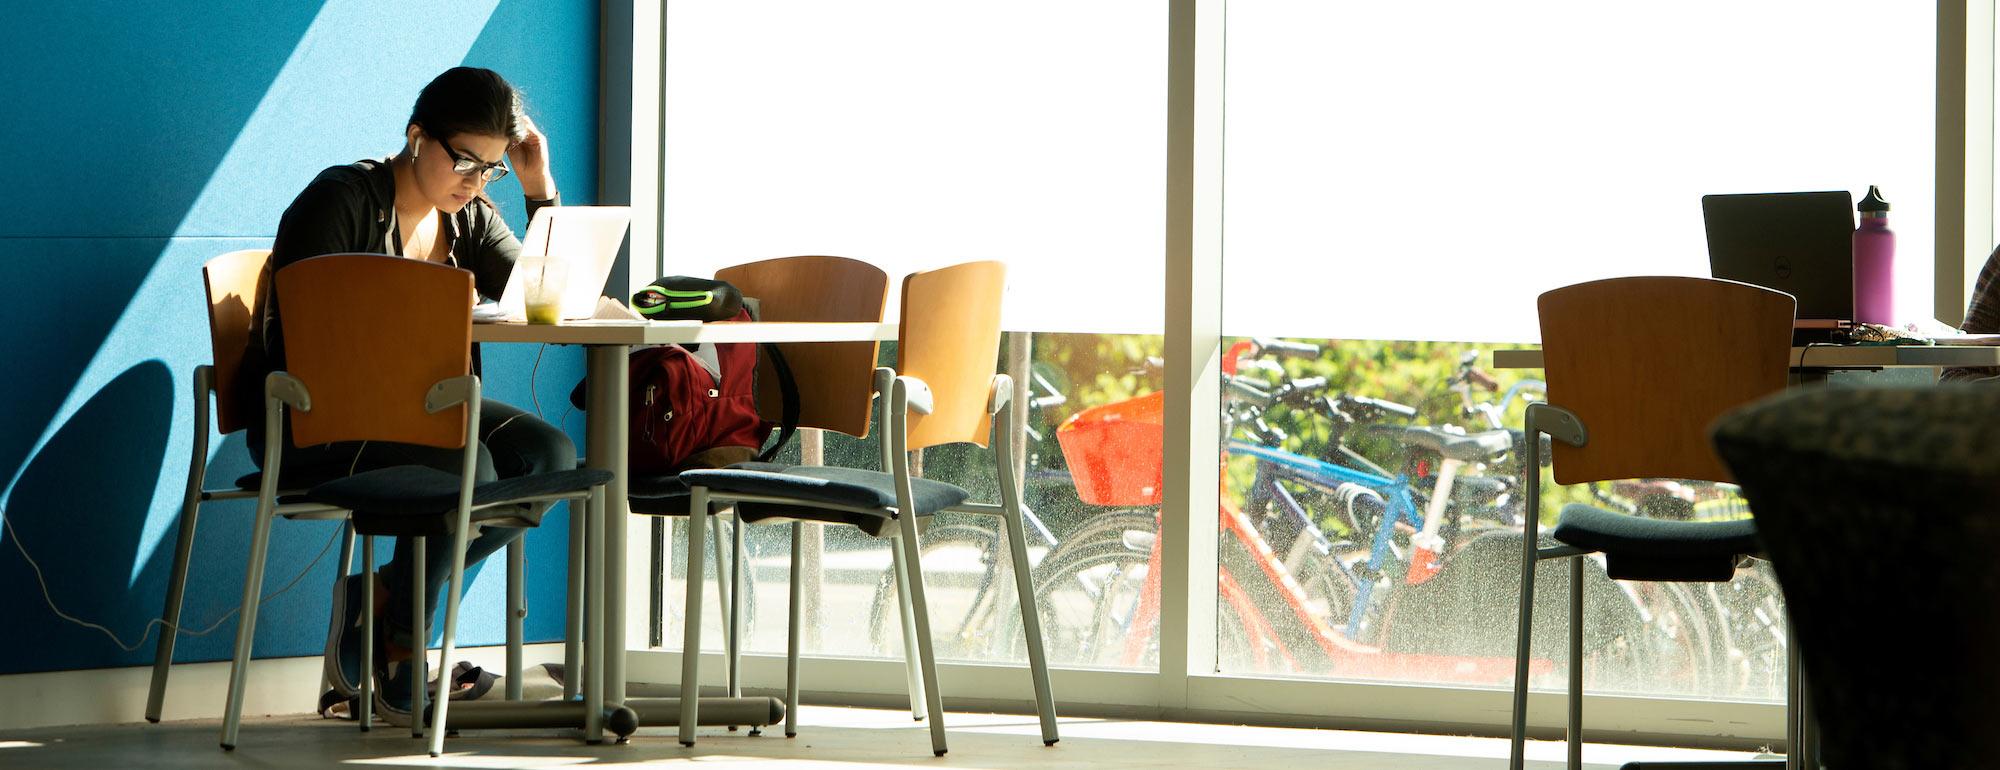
(416, 500)
(872, 490)
(665, 494)
(294, 478)
(1657, 549)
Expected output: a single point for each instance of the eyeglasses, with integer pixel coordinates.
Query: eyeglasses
(464, 164)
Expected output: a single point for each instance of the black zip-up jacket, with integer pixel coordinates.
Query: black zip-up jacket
(351, 210)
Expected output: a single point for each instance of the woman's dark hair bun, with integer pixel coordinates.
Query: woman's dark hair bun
(470, 100)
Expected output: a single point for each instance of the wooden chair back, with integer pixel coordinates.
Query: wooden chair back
(950, 339)
(835, 380)
(1648, 363)
(369, 335)
(235, 282)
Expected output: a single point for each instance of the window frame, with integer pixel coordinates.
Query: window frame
(1186, 687)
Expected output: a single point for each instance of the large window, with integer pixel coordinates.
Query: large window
(1383, 189)
(914, 135)
(1402, 180)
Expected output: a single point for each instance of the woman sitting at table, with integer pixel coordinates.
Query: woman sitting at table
(426, 202)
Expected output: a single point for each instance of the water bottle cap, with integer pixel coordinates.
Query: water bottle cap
(1873, 202)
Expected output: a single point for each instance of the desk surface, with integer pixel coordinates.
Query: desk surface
(648, 333)
(1832, 357)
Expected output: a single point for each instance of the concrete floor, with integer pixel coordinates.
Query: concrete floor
(830, 738)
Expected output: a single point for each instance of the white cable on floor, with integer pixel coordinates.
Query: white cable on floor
(8, 522)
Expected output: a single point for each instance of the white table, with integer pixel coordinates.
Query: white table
(606, 417)
(1832, 357)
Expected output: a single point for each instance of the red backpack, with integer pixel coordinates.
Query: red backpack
(683, 418)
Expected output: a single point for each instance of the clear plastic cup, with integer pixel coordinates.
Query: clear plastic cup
(544, 278)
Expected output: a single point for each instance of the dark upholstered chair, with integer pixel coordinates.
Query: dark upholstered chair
(1879, 508)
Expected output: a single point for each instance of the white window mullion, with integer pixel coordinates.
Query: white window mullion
(1194, 327)
(1965, 158)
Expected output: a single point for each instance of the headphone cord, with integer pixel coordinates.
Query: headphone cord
(8, 522)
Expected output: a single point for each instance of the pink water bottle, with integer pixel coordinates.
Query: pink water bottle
(1874, 262)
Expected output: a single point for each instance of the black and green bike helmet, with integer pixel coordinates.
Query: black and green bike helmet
(685, 298)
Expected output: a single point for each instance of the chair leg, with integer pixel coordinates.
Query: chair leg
(792, 629)
(1802, 744)
(1576, 663)
(455, 586)
(1519, 731)
(736, 554)
(691, 623)
(911, 674)
(246, 623)
(420, 641)
(163, 655)
(926, 649)
(722, 592)
(517, 612)
(579, 515)
(1031, 623)
(365, 710)
(593, 626)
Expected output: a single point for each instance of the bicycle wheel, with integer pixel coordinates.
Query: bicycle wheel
(1675, 650)
(967, 580)
(1330, 589)
(1749, 612)
(716, 574)
(1087, 596)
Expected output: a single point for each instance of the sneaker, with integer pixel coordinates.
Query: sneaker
(392, 693)
(343, 638)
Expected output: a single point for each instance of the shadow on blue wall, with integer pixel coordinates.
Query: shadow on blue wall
(134, 111)
(125, 144)
(86, 541)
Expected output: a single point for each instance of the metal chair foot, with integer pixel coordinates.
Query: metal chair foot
(1050, 742)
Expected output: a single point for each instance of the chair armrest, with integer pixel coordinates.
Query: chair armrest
(916, 394)
(447, 393)
(1560, 423)
(288, 390)
(1001, 392)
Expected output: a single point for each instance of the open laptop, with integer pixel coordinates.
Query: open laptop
(1800, 243)
(585, 237)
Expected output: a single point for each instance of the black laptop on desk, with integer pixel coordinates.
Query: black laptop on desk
(1800, 243)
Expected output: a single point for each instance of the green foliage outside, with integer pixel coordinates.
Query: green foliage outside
(1096, 369)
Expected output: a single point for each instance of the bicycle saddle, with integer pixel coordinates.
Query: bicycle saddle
(1471, 447)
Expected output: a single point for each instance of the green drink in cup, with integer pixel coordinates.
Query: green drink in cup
(544, 278)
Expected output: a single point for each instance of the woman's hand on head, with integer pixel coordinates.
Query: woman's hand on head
(530, 158)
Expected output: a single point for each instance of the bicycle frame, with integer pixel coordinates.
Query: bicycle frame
(1274, 465)
(1340, 648)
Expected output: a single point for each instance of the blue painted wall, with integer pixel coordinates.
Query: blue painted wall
(143, 138)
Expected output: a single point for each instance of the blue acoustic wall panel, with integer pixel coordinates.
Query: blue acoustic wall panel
(147, 137)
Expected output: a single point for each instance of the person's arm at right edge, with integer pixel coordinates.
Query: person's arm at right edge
(1982, 316)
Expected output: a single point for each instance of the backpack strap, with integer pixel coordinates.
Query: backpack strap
(788, 395)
